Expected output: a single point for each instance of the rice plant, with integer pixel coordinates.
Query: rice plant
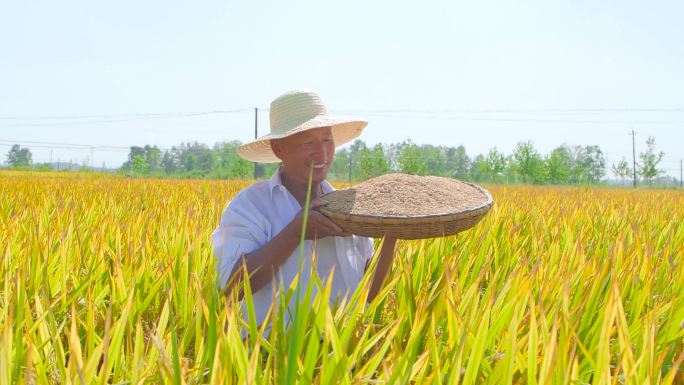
(107, 280)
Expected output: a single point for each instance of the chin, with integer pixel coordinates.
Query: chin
(320, 175)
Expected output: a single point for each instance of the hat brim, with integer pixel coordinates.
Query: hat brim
(343, 131)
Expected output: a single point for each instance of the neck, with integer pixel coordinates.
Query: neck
(298, 190)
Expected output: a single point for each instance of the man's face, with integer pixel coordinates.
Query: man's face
(299, 152)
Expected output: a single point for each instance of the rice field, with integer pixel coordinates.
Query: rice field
(106, 280)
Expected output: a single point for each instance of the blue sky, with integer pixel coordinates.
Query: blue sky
(480, 73)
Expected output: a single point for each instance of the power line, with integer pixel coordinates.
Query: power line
(66, 145)
(520, 111)
(117, 116)
(525, 120)
(80, 120)
(446, 114)
(61, 147)
(369, 111)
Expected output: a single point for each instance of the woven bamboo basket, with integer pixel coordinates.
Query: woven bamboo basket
(411, 227)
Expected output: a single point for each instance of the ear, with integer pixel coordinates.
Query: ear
(277, 148)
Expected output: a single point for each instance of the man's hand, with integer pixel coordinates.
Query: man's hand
(318, 225)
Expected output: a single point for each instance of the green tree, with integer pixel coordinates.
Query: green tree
(496, 165)
(528, 163)
(365, 161)
(242, 169)
(19, 156)
(206, 160)
(479, 170)
(150, 154)
(192, 156)
(594, 163)
(84, 166)
(340, 167)
(621, 170)
(355, 152)
(139, 165)
(459, 162)
(648, 168)
(43, 167)
(152, 157)
(372, 162)
(588, 165)
(381, 163)
(410, 160)
(168, 161)
(133, 152)
(489, 168)
(559, 165)
(227, 163)
(392, 152)
(435, 159)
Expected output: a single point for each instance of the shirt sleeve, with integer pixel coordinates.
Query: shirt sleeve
(242, 230)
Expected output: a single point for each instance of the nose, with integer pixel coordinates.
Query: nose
(320, 148)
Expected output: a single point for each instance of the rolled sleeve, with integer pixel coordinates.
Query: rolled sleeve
(241, 231)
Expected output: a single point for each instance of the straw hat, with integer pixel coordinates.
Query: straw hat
(294, 112)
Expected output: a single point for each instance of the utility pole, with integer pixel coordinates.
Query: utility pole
(256, 117)
(634, 158)
(680, 174)
(92, 160)
(50, 156)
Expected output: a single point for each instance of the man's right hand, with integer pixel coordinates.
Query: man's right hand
(262, 264)
(318, 225)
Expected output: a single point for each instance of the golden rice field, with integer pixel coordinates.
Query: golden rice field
(105, 280)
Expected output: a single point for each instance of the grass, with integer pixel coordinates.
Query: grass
(111, 280)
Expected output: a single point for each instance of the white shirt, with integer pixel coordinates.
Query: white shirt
(260, 212)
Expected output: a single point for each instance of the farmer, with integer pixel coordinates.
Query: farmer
(261, 226)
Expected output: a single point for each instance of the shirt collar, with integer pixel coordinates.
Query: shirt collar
(276, 181)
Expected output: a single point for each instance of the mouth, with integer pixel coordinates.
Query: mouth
(319, 165)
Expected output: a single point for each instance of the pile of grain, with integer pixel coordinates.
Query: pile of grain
(403, 195)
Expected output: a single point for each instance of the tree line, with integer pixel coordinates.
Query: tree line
(566, 164)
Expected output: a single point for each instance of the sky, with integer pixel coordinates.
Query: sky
(482, 74)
